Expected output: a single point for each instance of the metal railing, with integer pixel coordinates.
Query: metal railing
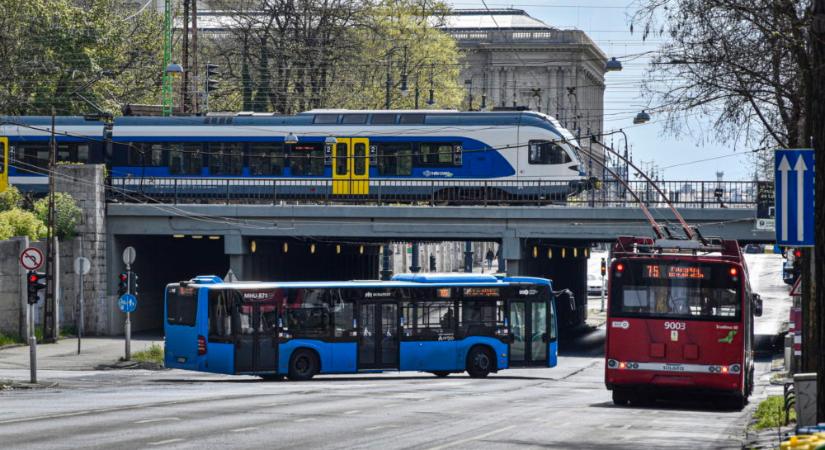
(441, 192)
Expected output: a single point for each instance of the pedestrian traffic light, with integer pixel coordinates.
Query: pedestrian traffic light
(604, 267)
(123, 283)
(133, 284)
(35, 281)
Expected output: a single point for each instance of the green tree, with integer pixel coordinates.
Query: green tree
(10, 199)
(67, 214)
(54, 51)
(17, 222)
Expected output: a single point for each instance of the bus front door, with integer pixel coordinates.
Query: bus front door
(528, 324)
(256, 346)
(378, 336)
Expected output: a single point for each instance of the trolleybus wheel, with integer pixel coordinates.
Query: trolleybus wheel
(737, 402)
(441, 373)
(303, 365)
(479, 362)
(620, 398)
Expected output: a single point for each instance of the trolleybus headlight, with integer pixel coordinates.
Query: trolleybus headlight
(735, 368)
(612, 363)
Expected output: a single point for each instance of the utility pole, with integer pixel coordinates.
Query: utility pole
(185, 58)
(817, 118)
(49, 309)
(195, 56)
(166, 89)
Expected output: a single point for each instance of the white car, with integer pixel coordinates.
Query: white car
(594, 284)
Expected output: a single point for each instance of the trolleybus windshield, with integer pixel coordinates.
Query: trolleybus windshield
(677, 289)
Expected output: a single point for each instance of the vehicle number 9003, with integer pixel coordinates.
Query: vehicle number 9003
(674, 325)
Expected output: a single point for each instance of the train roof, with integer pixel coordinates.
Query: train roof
(47, 120)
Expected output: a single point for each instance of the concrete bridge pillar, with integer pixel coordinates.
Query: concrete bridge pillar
(234, 247)
(511, 254)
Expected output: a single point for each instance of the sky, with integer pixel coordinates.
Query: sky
(607, 22)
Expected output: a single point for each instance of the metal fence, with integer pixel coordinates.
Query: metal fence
(684, 194)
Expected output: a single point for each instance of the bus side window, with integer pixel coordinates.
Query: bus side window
(343, 312)
(220, 316)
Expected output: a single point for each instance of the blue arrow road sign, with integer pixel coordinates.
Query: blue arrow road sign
(127, 303)
(794, 172)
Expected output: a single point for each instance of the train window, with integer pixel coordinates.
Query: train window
(185, 159)
(266, 159)
(383, 119)
(325, 118)
(395, 158)
(141, 154)
(306, 159)
(546, 152)
(360, 161)
(436, 154)
(34, 156)
(225, 158)
(82, 153)
(412, 119)
(341, 159)
(351, 119)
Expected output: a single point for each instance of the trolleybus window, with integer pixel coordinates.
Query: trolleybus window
(677, 291)
(181, 305)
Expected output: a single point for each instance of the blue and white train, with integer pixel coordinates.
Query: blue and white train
(351, 151)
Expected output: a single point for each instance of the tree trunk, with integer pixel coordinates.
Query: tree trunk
(817, 120)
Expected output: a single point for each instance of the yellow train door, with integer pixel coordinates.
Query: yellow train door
(4, 164)
(350, 166)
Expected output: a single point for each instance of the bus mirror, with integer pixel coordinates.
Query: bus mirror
(757, 305)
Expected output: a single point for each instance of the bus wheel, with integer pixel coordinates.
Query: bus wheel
(479, 362)
(441, 374)
(737, 402)
(303, 365)
(620, 397)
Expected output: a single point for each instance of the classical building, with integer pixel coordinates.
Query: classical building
(513, 59)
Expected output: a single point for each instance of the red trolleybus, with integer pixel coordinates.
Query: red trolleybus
(680, 319)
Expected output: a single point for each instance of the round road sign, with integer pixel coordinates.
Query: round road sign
(31, 258)
(127, 303)
(129, 254)
(82, 265)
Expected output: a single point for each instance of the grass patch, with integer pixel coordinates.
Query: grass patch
(771, 413)
(153, 354)
(8, 339)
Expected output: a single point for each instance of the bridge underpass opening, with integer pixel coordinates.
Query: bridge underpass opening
(167, 259)
(565, 263)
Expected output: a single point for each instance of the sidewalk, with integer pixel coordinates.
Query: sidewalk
(62, 355)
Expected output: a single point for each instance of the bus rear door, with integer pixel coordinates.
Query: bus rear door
(530, 326)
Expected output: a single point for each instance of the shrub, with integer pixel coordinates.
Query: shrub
(10, 199)
(21, 223)
(67, 214)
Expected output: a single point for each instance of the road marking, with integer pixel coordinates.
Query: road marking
(275, 404)
(241, 430)
(474, 438)
(378, 427)
(168, 441)
(352, 411)
(159, 419)
(305, 419)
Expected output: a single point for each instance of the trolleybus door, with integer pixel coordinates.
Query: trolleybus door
(378, 336)
(256, 348)
(528, 325)
(350, 166)
(4, 163)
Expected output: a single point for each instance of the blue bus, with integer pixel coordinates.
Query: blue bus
(440, 324)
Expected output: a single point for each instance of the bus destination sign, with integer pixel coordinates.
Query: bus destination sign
(675, 272)
(481, 292)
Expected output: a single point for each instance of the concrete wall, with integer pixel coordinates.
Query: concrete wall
(12, 287)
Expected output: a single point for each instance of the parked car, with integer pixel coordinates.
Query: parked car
(594, 284)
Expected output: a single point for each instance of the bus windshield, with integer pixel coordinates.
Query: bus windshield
(676, 290)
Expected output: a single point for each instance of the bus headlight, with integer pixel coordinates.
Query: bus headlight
(735, 368)
(612, 363)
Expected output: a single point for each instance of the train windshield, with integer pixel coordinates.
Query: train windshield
(676, 290)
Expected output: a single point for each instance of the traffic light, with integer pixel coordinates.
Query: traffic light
(123, 283)
(211, 77)
(604, 267)
(35, 281)
(133, 284)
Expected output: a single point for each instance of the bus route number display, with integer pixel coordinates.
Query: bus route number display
(675, 272)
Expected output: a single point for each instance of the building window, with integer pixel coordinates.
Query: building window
(266, 159)
(395, 159)
(547, 152)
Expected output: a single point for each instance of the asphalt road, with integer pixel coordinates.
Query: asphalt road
(566, 407)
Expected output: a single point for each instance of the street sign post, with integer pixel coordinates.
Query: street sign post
(794, 172)
(31, 259)
(129, 254)
(82, 266)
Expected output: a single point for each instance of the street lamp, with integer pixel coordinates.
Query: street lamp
(614, 65)
(641, 118)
